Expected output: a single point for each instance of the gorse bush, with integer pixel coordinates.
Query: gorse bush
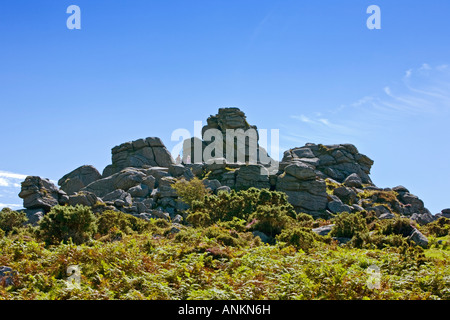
(9, 220)
(240, 204)
(400, 226)
(438, 228)
(270, 219)
(301, 238)
(190, 191)
(66, 222)
(113, 220)
(347, 225)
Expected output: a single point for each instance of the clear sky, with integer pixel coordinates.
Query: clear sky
(145, 68)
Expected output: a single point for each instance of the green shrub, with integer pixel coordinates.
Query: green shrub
(9, 220)
(438, 228)
(305, 220)
(199, 219)
(270, 219)
(223, 236)
(400, 226)
(241, 204)
(299, 237)
(113, 220)
(348, 224)
(64, 223)
(190, 191)
(237, 224)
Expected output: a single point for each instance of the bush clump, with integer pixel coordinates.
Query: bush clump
(438, 228)
(10, 220)
(400, 226)
(300, 238)
(348, 225)
(113, 220)
(66, 222)
(190, 191)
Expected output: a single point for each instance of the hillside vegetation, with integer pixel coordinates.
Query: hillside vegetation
(234, 245)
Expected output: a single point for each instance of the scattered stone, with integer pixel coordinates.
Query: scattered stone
(119, 195)
(212, 185)
(226, 189)
(387, 215)
(418, 238)
(336, 206)
(264, 238)
(34, 216)
(6, 276)
(346, 194)
(324, 230)
(177, 219)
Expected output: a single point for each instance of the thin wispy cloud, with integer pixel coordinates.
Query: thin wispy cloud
(10, 188)
(423, 91)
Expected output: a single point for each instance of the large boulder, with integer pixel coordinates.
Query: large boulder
(142, 153)
(123, 180)
(305, 192)
(331, 161)
(39, 193)
(418, 238)
(252, 176)
(79, 178)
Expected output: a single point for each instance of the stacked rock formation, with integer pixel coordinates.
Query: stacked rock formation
(228, 120)
(321, 180)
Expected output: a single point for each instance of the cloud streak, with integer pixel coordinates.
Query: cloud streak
(10, 188)
(421, 92)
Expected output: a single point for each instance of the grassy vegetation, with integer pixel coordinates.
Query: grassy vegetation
(217, 256)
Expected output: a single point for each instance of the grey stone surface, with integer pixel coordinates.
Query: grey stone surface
(79, 178)
(324, 230)
(84, 198)
(418, 238)
(39, 193)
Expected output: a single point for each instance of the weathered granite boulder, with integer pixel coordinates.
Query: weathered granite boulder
(79, 178)
(336, 206)
(149, 152)
(34, 216)
(252, 176)
(418, 238)
(306, 195)
(353, 180)
(39, 193)
(123, 180)
(332, 161)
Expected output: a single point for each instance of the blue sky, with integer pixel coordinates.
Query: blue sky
(145, 68)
